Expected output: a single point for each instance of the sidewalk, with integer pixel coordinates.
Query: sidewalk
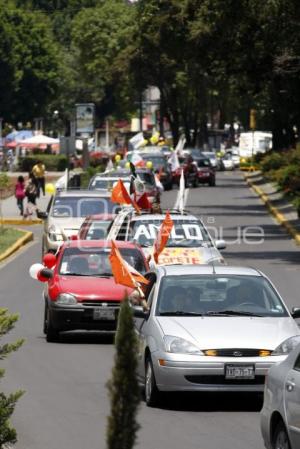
(10, 209)
(284, 212)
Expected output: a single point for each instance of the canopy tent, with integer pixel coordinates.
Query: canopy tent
(40, 141)
(16, 136)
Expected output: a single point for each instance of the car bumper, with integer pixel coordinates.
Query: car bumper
(67, 318)
(207, 375)
(204, 179)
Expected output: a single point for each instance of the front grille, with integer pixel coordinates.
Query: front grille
(237, 352)
(100, 302)
(220, 380)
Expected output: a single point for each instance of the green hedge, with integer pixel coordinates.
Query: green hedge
(52, 162)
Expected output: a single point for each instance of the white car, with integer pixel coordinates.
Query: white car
(210, 328)
(280, 416)
(227, 162)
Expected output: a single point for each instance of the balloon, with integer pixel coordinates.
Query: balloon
(149, 164)
(117, 158)
(50, 188)
(49, 260)
(127, 165)
(35, 269)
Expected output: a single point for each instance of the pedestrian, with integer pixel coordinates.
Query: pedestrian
(38, 171)
(31, 194)
(20, 193)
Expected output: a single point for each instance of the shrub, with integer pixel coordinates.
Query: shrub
(273, 161)
(288, 178)
(52, 162)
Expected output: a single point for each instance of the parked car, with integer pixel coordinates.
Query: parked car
(189, 241)
(81, 293)
(206, 172)
(210, 328)
(107, 180)
(95, 227)
(66, 212)
(280, 415)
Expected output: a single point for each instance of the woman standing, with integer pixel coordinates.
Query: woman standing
(20, 193)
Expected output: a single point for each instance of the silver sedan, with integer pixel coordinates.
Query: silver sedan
(210, 329)
(280, 416)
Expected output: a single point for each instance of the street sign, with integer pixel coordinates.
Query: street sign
(85, 119)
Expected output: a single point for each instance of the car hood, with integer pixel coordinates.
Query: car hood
(92, 288)
(171, 256)
(66, 226)
(230, 332)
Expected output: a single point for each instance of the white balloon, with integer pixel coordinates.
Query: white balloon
(34, 270)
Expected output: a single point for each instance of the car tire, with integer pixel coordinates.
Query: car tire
(52, 334)
(45, 319)
(212, 183)
(196, 182)
(280, 437)
(151, 390)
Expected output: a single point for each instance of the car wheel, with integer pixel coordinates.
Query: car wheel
(151, 391)
(212, 183)
(45, 319)
(196, 182)
(52, 334)
(281, 438)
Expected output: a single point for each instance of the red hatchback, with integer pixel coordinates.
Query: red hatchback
(81, 293)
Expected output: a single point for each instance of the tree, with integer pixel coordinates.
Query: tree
(8, 435)
(123, 387)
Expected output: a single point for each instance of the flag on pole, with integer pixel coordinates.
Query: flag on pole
(180, 144)
(124, 273)
(143, 202)
(181, 199)
(120, 195)
(137, 140)
(174, 161)
(162, 236)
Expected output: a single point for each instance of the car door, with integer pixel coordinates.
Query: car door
(292, 403)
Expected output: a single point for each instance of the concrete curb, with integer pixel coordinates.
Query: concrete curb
(22, 222)
(274, 211)
(28, 237)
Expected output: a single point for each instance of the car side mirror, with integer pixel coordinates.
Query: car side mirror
(220, 244)
(42, 215)
(140, 312)
(296, 312)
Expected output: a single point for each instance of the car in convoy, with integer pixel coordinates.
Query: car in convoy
(81, 293)
(190, 171)
(107, 180)
(211, 155)
(280, 415)
(189, 241)
(227, 162)
(210, 328)
(160, 165)
(206, 172)
(66, 212)
(95, 227)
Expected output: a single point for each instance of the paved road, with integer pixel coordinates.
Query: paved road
(66, 403)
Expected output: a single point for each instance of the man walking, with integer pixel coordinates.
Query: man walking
(38, 171)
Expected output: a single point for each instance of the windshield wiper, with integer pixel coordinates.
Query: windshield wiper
(103, 275)
(76, 274)
(231, 313)
(180, 313)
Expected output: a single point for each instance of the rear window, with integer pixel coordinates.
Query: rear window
(203, 163)
(97, 230)
(95, 261)
(81, 207)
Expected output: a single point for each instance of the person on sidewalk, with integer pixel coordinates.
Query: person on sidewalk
(38, 171)
(31, 194)
(20, 193)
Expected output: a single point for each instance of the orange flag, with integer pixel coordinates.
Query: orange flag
(162, 236)
(120, 195)
(124, 273)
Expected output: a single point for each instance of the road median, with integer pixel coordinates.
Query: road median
(17, 244)
(275, 202)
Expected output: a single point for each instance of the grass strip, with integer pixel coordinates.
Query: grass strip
(8, 236)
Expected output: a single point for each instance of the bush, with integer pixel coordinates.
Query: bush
(288, 178)
(52, 162)
(88, 174)
(273, 161)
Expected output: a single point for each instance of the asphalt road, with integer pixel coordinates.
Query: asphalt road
(65, 404)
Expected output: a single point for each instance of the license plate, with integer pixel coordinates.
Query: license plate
(102, 313)
(239, 372)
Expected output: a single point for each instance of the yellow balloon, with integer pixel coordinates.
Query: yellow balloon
(127, 165)
(117, 158)
(50, 188)
(149, 164)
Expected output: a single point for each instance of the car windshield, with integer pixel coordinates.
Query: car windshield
(86, 261)
(106, 184)
(157, 161)
(82, 206)
(209, 154)
(185, 233)
(216, 295)
(203, 163)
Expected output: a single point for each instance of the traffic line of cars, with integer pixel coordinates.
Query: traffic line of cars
(207, 326)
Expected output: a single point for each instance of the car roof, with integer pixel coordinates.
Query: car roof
(168, 270)
(175, 217)
(98, 243)
(99, 217)
(83, 193)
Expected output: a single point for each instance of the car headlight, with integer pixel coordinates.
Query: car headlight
(55, 234)
(180, 346)
(66, 299)
(287, 346)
